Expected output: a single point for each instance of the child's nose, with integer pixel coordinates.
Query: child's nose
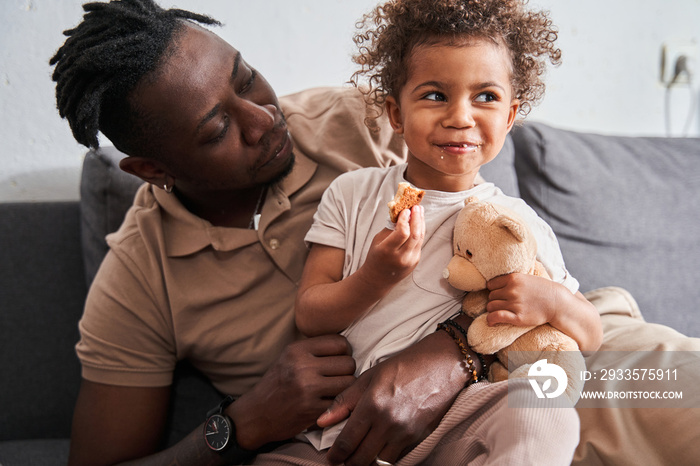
(459, 115)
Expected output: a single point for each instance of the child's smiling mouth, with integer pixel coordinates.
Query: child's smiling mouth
(458, 148)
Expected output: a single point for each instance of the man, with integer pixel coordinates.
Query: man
(206, 264)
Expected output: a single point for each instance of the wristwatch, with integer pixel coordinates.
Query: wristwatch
(220, 434)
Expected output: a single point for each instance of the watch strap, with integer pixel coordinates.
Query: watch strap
(219, 409)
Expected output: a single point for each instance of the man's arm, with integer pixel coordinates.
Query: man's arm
(125, 425)
(397, 403)
(114, 424)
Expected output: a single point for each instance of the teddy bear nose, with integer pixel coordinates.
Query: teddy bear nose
(445, 273)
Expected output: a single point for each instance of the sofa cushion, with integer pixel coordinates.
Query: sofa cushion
(625, 211)
(44, 452)
(106, 193)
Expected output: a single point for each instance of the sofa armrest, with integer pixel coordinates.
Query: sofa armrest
(42, 291)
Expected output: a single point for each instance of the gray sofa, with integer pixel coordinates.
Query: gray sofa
(625, 211)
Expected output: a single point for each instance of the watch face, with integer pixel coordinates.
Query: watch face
(217, 432)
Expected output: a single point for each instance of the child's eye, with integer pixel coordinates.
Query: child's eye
(436, 96)
(486, 97)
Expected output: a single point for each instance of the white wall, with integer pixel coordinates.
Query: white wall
(608, 82)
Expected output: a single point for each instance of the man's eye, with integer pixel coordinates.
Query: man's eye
(249, 83)
(436, 96)
(222, 134)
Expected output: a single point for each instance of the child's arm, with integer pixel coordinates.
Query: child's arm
(524, 300)
(326, 303)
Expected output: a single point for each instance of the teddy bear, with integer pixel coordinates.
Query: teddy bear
(491, 240)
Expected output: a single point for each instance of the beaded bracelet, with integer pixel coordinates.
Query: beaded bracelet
(471, 368)
(461, 330)
(458, 327)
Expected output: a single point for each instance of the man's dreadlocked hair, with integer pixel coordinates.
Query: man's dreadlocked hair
(104, 57)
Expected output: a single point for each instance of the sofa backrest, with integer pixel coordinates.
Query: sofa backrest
(626, 211)
(501, 170)
(106, 193)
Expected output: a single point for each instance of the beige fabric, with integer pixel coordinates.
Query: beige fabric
(635, 436)
(173, 286)
(480, 429)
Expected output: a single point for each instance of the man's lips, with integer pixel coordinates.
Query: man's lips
(281, 148)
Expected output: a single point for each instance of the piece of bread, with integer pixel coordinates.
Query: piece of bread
(405, 198)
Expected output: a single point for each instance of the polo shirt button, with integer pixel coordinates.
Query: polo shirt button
(274, 243)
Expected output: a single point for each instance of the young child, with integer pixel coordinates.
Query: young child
(452, 75)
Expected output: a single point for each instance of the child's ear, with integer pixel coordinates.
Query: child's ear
(513, 112)
(394, 113)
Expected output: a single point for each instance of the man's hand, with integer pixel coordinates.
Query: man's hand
(397, 403)
(294, 391)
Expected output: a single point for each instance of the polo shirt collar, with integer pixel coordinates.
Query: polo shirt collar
(186, 234)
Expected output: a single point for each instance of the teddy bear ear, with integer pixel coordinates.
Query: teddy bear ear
(471, 200)
(514, 228)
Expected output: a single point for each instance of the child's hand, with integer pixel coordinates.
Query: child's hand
(522, 300)
(395, 253)
(527, 300)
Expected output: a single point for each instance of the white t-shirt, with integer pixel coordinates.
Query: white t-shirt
(354, 209)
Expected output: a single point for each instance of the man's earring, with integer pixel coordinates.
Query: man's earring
(167, 189)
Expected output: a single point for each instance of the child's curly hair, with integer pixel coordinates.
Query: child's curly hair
(388, 34)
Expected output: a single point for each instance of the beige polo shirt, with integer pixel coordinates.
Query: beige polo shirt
(173, 286)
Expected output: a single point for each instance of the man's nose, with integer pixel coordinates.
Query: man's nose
(459, 114)
(256, 120)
